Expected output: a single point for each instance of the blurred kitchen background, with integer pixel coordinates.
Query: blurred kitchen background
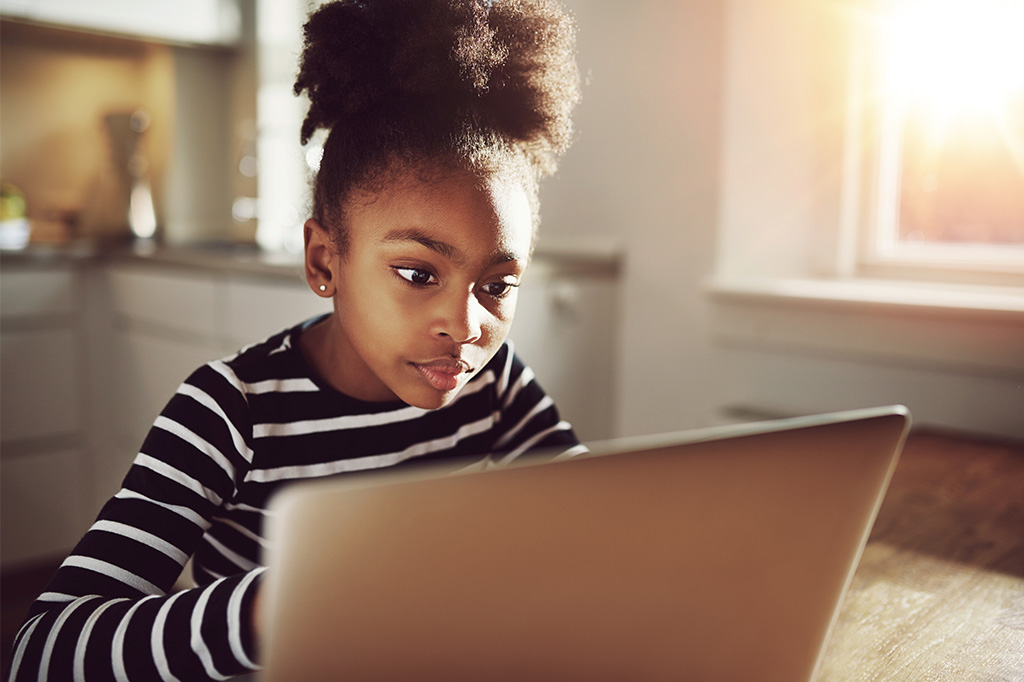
(725, 241)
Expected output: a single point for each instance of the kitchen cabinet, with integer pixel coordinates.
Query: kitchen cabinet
(91, 351)
(565, 330)
(169, 320)
(161, 325)
(166, 321)
(254, 309)
(93, 347)
(190, 22)
(44, 440)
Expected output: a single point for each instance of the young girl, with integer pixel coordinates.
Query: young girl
(443, 116)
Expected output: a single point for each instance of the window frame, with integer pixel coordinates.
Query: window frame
(874, 146)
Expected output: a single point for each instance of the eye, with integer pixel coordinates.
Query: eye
(416, 276)
(499, 289)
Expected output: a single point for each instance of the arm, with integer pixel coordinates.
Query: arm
(106, 613)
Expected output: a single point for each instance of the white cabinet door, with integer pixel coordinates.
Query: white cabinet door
(42, 391)
(164, 324)
(564, 330)
(256, 309)
(147, 370)
(37, 292)
(40, 353)
(177, 301)
(44, 479)
(42, 497)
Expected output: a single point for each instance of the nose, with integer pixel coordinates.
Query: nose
(460, 318)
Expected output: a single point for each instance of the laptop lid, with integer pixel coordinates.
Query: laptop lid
(718, 554)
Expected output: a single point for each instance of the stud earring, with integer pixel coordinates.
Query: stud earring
(323, 287)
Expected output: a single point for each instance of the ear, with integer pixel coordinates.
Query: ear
(320, 258)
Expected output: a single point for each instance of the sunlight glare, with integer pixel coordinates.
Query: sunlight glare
(956, 57)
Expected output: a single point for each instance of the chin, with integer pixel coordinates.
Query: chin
(434, 402)
(431, 400)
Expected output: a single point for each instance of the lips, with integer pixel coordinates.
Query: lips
(443, 374)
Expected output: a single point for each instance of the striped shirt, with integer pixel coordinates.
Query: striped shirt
(235, 432)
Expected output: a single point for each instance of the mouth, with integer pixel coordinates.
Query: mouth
(444, 374)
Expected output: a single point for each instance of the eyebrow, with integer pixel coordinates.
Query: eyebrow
(444, 248)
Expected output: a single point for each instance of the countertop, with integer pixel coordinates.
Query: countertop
(576, 256)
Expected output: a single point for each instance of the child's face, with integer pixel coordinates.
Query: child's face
(426, 290)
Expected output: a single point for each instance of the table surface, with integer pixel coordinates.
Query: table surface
(939, 592)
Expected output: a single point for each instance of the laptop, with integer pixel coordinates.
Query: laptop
(712, 555)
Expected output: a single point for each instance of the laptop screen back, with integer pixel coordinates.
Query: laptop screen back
(718, 555)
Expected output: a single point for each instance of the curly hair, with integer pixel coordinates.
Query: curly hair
(486, 85)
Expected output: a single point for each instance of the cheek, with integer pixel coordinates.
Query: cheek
(368, 310)
(500, 318)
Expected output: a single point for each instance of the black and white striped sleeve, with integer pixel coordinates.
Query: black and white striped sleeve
(107, 613)
(530, 421)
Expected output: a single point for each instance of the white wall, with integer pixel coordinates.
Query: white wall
(644, 171)
(710, 139)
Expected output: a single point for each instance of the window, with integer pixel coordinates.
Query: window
(817, 165)
(284, 168)
(950, 163)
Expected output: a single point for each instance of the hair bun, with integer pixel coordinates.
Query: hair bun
(508, 65)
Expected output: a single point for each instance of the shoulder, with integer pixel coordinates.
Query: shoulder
(505, 370)
(528, 419)
(262, 367)
(512, 376)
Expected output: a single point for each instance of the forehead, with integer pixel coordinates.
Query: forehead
(478, 214)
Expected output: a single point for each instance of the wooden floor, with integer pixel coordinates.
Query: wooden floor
(939, 592)
(938, 595)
